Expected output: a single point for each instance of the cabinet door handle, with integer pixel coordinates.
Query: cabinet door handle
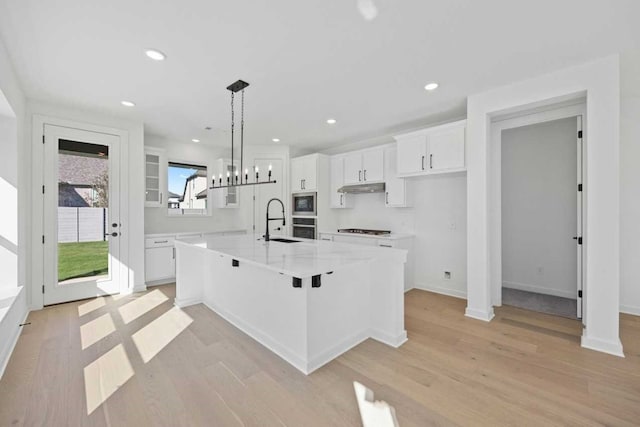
(422, 162)
(341, 199)
(359, 176)
(160, 241)
(430, 161)
(160, 198)
(385, 246)
(365, 174)
(386, 197)
(174, 253)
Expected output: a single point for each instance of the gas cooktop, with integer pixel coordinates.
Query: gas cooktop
(363, 231)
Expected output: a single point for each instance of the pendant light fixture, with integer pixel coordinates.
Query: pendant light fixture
(239, 179)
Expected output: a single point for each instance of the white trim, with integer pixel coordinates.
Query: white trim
(538, 289)
(335, 351)
(613, 348)
(11, 341)
(440, 290)
(485, 316)
(629, 309)
(385, 338)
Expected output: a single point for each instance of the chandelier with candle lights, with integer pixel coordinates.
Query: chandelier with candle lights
(239, 180)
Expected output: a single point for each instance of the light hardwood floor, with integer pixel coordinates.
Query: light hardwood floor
(111, 361)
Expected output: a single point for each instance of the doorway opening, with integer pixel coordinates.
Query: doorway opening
(541, 193)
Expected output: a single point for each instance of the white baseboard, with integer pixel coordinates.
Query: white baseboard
(390, 340)
(181, 303)
(485, 316)
(539, 289)
(11, 341)
(629, 309)
(440, 290)
(161, 282)
(604, 346)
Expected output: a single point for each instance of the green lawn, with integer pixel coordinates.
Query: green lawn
(84, 259)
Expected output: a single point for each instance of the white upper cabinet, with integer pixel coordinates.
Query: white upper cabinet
(226, 198)
(338, 200)
(155, 177)
(446, 149)
(304, 173)
(364, 166)
(434, 150)
(396, 192)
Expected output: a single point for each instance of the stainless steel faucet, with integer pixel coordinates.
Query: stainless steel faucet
(266, 234)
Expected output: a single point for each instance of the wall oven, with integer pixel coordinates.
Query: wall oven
(304, 228)
(304, 204)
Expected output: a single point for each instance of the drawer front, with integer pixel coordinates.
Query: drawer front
(386, 244)
(159, 242)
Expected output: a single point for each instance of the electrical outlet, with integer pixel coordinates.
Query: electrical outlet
(447, 275)
(540, 270)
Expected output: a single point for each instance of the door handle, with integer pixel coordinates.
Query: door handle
(359, 176)
(114, 225)
(114, 234)
(430, 161)
(365, 174)
(422, 162)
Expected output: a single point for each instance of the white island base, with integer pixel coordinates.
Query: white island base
(251, 284)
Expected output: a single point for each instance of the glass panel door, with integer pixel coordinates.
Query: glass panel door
(81, 206)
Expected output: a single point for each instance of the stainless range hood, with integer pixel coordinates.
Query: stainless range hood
(362, 188)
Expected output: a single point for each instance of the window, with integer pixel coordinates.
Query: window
(188, 189)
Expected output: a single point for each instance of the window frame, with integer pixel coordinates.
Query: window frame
(208, 212)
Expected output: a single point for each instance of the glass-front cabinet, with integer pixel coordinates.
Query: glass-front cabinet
(154, 178)
(226, 197)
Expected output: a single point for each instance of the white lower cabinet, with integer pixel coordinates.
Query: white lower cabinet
(159, 259)
(160, 255)
(404, 241)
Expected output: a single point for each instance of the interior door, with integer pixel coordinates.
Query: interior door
(579, 230)
(265, 192)
(81, 214)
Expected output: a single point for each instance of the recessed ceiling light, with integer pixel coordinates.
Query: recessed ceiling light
(276, 139)
(156, 55)
(128, 104)
(331, 121)
(195, 140)
(431, 86)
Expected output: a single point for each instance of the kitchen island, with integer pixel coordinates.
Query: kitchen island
(308, 301)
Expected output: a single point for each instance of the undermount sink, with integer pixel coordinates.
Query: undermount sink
(283, 240)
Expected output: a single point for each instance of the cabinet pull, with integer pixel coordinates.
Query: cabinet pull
(160, 198)
(359, 176)
(365, 174)
(385, 246)
(341, 199)
(430, 161)
(174, 253)
(386, 197)
(160, 241)
(422, 162)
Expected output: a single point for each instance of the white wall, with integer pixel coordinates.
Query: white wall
(630, 182)
(539, 167)
(599, 80)
(156, 220)
(14, 181)
(438, 220)
(132, 174)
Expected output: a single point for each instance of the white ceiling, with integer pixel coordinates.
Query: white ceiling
(306, 60)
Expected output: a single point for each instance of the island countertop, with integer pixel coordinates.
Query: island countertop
(303, 259)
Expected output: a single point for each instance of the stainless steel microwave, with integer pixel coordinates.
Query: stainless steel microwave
(304, 204)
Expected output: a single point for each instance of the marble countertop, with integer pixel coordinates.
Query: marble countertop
(392, 236)
(304, 259)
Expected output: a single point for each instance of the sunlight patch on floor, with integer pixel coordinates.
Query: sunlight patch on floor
(93, 331)
(105, 375)
(151, 339)
(139, 306)
(90, 306)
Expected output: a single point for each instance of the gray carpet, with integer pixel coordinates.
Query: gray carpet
(559, 306)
